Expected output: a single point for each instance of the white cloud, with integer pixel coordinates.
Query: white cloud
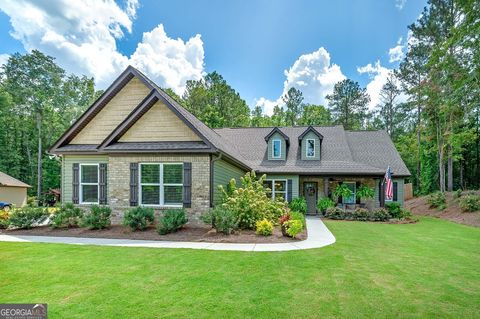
(396, 53)
(378, 75)
(82, 36)
(400, 4)
(4, 58)
(311, 73)
(131, 8)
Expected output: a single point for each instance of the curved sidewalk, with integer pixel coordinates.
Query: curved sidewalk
(318, 236)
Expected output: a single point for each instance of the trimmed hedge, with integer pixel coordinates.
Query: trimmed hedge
(26, 217)
(67, 215)
(139, 218)
(171, 221)
(362, 214)
(98, 218)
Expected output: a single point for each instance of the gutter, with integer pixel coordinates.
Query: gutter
(213, 159)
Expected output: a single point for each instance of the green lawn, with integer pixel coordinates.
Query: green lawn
(429, 269)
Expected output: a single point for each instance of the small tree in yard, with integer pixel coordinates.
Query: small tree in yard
(250, 202)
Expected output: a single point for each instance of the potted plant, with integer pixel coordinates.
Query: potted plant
(342, 191)
(365, 192)
(325, 203)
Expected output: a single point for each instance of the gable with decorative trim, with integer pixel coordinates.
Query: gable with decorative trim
(112, 114)
(159, 124)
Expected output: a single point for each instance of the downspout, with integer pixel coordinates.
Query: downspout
(213, 159)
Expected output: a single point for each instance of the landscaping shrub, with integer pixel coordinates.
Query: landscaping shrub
(293, 227)
(437, 200)
(250, 202)
(335, 213)
(394, 209)
(284, 218)
(379, 215)
(3, 219)
(264, 227)
(361, 214)
(139, 218)
(457, 194)
(299, 204)
(26, 217)
(171, 221)
(68, 215)
(98, 218)
(298, 216)
(470, 203)
(222, 219)
(324, 204)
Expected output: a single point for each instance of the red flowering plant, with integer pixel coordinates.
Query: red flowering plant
(284, 218)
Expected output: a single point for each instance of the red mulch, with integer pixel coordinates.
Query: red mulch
(418, 206)
(187, 233)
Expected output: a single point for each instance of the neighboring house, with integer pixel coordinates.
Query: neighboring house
(12, 190)
(137, 146)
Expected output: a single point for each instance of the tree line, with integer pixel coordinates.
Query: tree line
(429, 105)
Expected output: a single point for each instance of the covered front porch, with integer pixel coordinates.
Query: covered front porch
(313, 188)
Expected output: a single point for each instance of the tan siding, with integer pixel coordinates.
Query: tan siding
(14, 195)
(113, 113)
(159, 124)
(67, 171)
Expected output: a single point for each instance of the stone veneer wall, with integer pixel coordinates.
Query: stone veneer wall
(119, 182)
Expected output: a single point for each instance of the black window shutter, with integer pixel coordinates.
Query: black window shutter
(395, 191)
(102, 183)
(133, 184)
(357, 186)
(187, 185)
(75, 182)
(289, 190)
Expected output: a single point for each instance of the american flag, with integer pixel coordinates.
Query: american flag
(389, 185)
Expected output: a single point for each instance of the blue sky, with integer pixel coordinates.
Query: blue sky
(250, 43)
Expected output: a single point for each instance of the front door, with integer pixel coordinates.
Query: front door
(310, 193)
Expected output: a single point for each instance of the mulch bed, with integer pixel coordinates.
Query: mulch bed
(187, 233)
(419, 206)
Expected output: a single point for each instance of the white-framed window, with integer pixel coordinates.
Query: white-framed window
(278, 188)
(161, 184)
(89, 189)
(276, 148)
(352, 199)
(310, 149)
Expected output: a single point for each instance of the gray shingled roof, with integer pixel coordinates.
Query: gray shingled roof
(342, 152)
(7, 180)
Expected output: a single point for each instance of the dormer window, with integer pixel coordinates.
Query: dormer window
(276, 148)
(310, 149)
(277, 145)
(310, 142)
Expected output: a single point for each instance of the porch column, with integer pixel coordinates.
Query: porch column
(325, 186)
(382, 193)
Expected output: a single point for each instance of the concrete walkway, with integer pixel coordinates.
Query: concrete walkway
(318, 236)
